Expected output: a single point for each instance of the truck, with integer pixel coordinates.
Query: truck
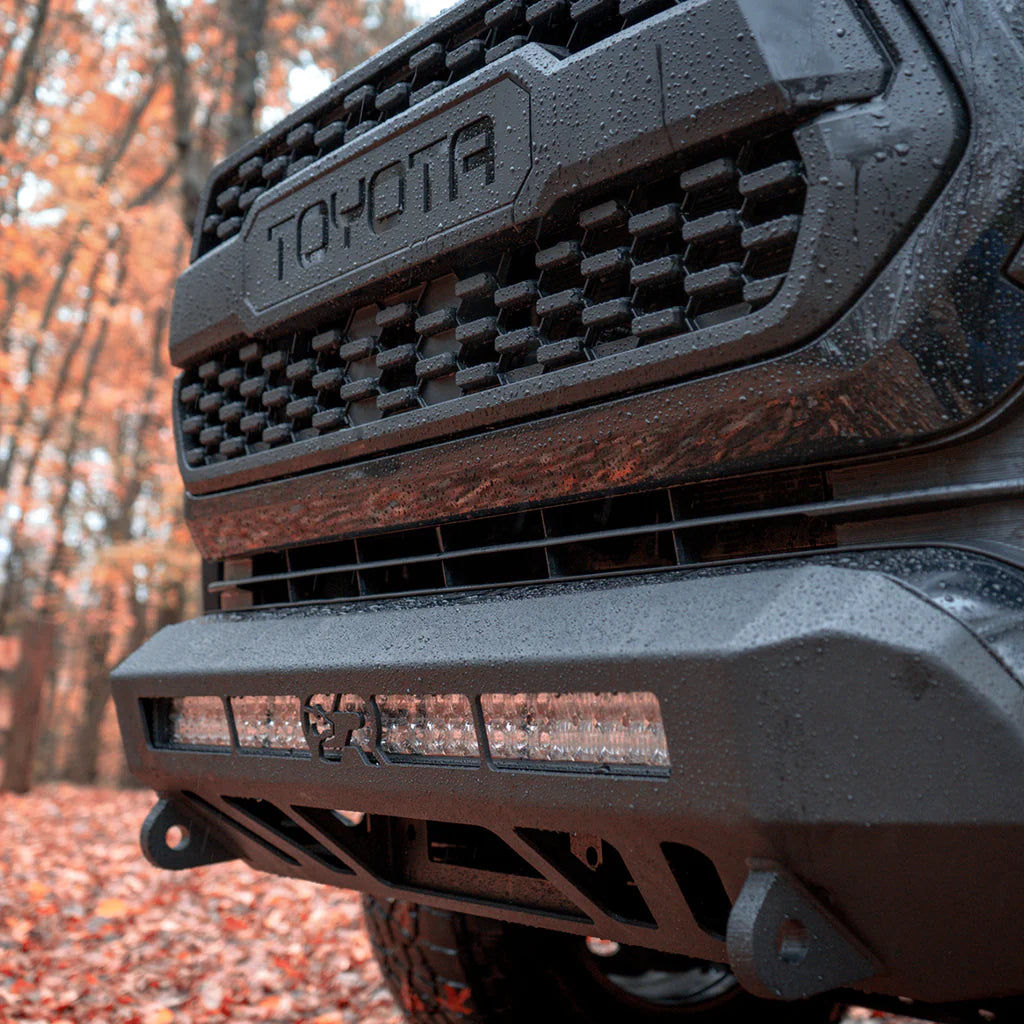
(600, 421)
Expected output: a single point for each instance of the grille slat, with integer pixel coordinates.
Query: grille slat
(649, 259)
(688, 526)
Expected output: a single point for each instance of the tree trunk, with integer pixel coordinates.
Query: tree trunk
(81, 765)
(37, 658)
(23, 76)
(35, 351)
(13, 592)
(196, 155)
(249, 18)
(37, 646)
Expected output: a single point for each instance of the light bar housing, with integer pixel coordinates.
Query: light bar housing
(583, 729)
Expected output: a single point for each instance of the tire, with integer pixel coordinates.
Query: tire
(450, 968)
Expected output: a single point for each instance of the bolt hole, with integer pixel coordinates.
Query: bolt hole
(792, 941)
(593, 856)
(176, 837)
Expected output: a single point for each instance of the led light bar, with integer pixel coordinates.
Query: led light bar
(576, 728)
(586, 729)
(430, 725)
(195, 722)
(269, 723)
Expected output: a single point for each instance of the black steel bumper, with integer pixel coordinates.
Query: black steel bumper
(846, 751)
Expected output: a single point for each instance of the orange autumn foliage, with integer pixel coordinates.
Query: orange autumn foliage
(111, 116)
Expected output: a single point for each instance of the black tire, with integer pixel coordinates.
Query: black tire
(449, 968)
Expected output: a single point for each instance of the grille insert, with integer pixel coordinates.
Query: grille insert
(689, 525)
(458, 49)
(665, 256)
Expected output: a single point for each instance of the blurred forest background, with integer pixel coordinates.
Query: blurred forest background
(112, 113)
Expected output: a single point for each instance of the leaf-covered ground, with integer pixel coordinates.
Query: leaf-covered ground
(90, 932)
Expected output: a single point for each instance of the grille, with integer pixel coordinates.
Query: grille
(668, 255)
(688, 525)
(457, 50)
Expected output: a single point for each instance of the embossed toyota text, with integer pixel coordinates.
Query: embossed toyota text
(385, 203)
(429, 176)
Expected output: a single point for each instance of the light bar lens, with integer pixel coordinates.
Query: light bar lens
(429, 725)
(269, 722)
(568, 728)
(577, 728)
(197, 722)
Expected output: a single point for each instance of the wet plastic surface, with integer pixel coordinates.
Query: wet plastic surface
(871, 168)
(784, 692)
(375, 369)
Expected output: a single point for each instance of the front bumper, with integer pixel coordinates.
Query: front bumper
(842, 748)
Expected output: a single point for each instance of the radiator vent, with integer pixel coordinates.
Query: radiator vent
(688, 525)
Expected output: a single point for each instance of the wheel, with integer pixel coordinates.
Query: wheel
(444, 967)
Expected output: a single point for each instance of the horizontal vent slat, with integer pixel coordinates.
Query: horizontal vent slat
(683, 527)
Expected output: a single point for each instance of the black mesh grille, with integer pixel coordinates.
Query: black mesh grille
(689, 525)
(645, 260)
(458, 51)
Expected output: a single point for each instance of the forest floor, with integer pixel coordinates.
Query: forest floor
(90, 932)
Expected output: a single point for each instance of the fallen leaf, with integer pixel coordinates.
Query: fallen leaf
(188, 947)
(112, 908)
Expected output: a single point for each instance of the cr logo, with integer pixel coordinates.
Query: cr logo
(332, 723)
